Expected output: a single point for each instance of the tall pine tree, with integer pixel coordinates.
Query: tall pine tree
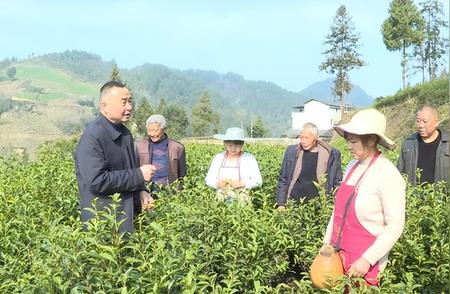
(176, 118)
(435, 46)
(177, 121)
(403, 29)
(140, 115)
(11, 72)
(162, 106)
(205, 121)
(257, 128)
(115, 75)
(342, 55)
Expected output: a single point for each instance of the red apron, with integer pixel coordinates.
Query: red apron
(354, 239)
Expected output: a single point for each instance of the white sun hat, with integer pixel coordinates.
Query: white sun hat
(367, 121)
(232, 134)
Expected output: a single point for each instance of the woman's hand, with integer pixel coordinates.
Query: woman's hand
(326, 249)
(228, 183)
(359, 268)
(223, 183)
(238, 184)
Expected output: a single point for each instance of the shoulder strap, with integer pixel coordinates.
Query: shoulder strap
(337, 245)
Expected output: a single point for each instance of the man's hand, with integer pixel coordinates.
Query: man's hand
(359, 268)
(147, 202)
(148, 171)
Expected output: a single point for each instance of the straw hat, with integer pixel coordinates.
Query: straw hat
(232, 134)
(367, 121)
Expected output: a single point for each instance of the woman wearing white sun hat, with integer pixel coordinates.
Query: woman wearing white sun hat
(233, 170)
(369, 212)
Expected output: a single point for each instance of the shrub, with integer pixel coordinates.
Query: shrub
(431, 93)
(190, 242)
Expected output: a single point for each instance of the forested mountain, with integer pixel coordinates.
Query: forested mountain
(322, 92)
(55, 95)
(234, 98)
(88, 66)
(238, 101)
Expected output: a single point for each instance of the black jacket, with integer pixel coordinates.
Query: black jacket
(407, 160)
(334, 172)
(106, 164)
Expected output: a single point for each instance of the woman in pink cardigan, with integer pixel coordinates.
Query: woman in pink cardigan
(369, 212)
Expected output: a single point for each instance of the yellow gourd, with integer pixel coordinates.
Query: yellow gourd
(326, 268)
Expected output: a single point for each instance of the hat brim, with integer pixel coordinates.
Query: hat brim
(384, 140)
(228, 138)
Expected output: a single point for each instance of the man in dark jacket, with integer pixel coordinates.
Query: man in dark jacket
(427, 150)
(167, 155)
(105, 159)
(307, 163)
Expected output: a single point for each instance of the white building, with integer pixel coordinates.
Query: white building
(323, 115)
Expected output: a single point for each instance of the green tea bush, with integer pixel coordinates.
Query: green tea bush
(190, 242)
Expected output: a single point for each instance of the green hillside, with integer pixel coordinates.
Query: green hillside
(401, 108)
(39, 82)
(42, 103)
(237, 100)
(55, 95)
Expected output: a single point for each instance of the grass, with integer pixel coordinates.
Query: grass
(49, 84)
(41, 97)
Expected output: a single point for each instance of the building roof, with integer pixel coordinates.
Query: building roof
(326, 103)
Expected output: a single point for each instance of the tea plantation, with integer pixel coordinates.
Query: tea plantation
(191, 243)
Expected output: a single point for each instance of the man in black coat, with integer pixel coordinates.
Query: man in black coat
(307, 163)
(105, 158)
(428, 150)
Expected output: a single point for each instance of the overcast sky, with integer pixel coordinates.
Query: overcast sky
(277, 41)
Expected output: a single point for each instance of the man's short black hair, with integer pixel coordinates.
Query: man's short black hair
(112, 84)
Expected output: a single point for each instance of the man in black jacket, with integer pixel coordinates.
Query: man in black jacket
(427, 150)
(307, 163)
(105, 158)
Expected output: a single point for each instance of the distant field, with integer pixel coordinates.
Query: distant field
(42, 97)
(47, 84)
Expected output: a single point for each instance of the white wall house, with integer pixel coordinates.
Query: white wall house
(323, 115)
